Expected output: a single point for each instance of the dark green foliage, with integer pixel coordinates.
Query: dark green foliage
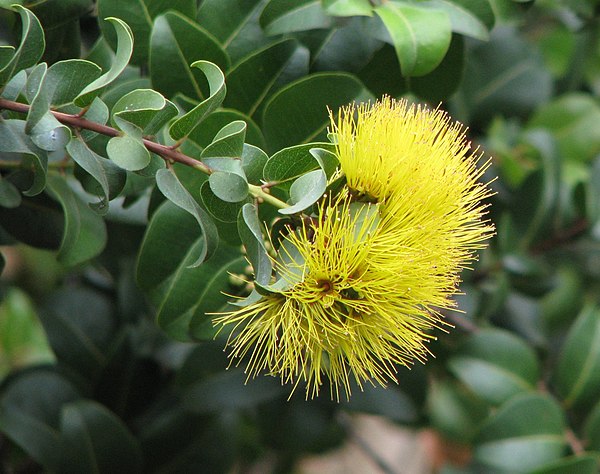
(109, 361)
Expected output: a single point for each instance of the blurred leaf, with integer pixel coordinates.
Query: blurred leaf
(175, 192)
(286, 16)
(495, 365)
(175, 43)
(109, 177)
(347, 7)
(503, 76)
(139, 15)
(392, 403)
(305, 191)
(592, 429)
(525, 433)
(309, 98)
(348, 47)
(574, 120)
(580, 463)
(30, 405)
(9, 194)
(468, 17)
(185, 125)
(560, 306)
(227, 391)
(84, 234)
(124, 50)
(79, 325)
(453, 411)
(31, 48)
(577, 375)
(96, 440)
(22, 338)
(421, 36)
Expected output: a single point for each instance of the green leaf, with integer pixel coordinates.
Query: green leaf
(221, 210)
(228, 142)
(467, 17)
(250, 230)
(227, 391)
(592, 429)
(9, 195)
(146, 109)
(31, 48)
(30, 406)
(96, 440)
(15, 86)
(572, 119)
(496, 365)
(97, 112)
(79, 326)
(305, 191)
(257, 75)
(286, 16)
(347, 7)
(66, 79)
(84, 235)
(139, 15)
(577, 376)
(174, 191)
(527, 432)
(309, 98)
(175, 43)
(293, 162)
(13, 139)
(128, 152)
(503, 76)
(182, 293)
(124, 50)
(391, 403)
(580, 463)
(230, 185)
(109, 177)
(234, 24)
(188, 122)
(420, 36)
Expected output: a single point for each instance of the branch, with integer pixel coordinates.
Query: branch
(167, 153)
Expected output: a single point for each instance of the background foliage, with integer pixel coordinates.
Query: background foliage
(97, 373)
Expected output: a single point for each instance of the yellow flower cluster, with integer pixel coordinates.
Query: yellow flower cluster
(378, 261)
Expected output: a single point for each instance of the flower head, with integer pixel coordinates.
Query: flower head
(365, 279)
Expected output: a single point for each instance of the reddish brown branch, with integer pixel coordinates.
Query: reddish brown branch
(78, 122)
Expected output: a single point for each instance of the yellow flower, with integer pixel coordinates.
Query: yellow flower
(363, 283)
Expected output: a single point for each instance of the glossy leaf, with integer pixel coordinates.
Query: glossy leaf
(123, 54)
(84, 235)
(175, 43)
(256, 76)
(526, 433)
(173, 190)
(188, 122)
(96, 440)
(31, 48)
(227, 143)
(496, 365)
(146, 109)
(305, 191)
(235, 24)
(286, 16)
(577, 374)
(468, 17)
(309, 98)
(293, 162)
(250, 230)
(139, 15)
(420, 36)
